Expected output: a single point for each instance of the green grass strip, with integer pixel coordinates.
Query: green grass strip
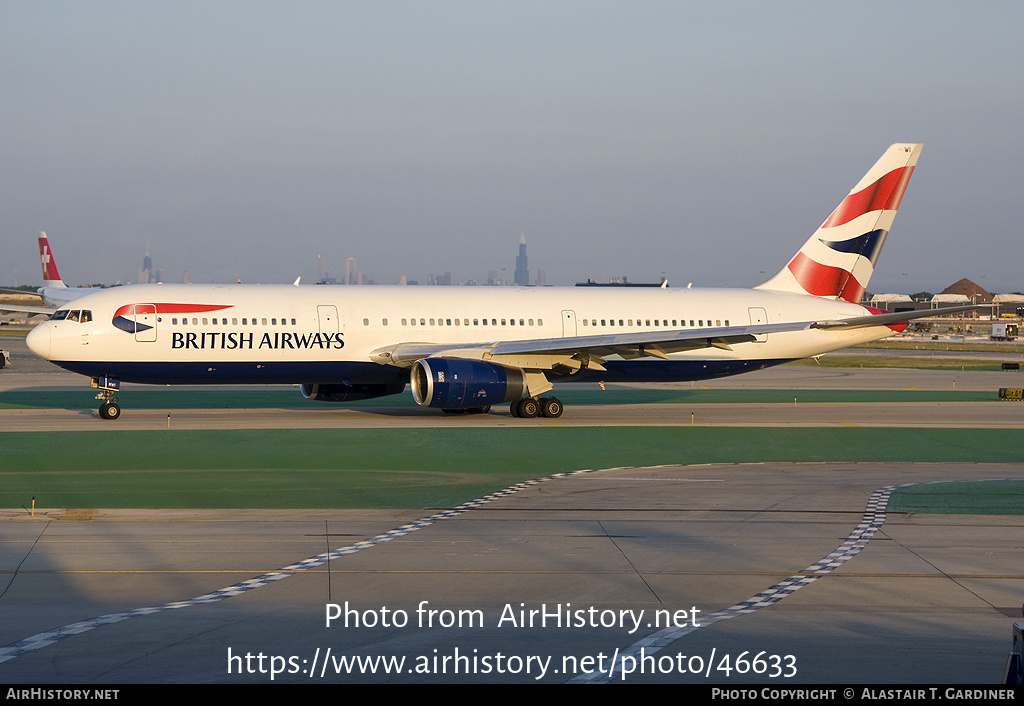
(991, 497)
(414, 468)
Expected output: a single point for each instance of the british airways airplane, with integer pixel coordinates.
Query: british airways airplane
(464, 350)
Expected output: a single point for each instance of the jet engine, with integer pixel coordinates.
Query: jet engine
(349, 393)
(458, 383)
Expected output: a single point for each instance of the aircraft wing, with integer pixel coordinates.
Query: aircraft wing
(545, 353)
(27, 309)
(548, 352)
(885, 319)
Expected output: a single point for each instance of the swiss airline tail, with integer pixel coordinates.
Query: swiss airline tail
(51, 278)
(837, 261)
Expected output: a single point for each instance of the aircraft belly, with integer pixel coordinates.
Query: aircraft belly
(235, 372)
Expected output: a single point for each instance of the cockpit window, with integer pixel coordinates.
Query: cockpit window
(83, 315)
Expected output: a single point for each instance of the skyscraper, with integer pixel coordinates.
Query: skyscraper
(146, 273)
(522, 271)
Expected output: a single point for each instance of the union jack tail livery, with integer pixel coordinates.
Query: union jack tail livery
(51, 278)
(837, 261)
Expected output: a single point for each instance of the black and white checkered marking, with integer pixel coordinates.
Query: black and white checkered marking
(874, 516)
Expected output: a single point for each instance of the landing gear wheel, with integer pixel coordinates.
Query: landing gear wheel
(551, 407)
(110, 410)
(528, 408)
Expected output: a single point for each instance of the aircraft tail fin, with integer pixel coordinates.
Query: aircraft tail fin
(51, 278)
(839, 258)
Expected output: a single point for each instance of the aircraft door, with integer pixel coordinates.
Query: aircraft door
(568, 323)
(330, 323)
(758, 316)
(145, 323)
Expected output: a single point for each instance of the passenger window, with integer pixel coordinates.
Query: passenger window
(384, 322)
(366, 322)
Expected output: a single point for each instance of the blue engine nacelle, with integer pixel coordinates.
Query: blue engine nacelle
(349, 393)
(457, 383)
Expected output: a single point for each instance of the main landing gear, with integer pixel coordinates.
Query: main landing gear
(108, 389)
(530, 407)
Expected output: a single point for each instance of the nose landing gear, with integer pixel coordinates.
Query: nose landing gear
(108, 388)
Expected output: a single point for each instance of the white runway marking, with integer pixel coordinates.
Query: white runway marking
(873, 519)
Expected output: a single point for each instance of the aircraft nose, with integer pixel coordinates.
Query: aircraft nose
(38, 341)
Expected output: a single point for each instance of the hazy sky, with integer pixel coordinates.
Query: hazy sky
(705, 141)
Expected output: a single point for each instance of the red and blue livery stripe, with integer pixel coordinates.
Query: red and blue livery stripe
(124, 317)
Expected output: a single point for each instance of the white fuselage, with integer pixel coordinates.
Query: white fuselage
(190, 334)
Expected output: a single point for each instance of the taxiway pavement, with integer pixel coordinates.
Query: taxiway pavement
(105, 596)
(928, 599)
